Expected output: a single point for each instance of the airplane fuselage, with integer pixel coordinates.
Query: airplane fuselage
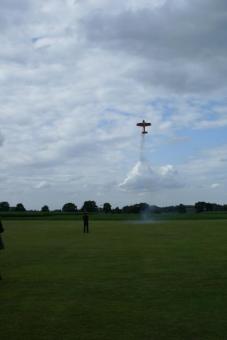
(143, 124)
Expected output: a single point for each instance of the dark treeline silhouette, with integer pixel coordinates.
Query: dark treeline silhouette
(205, 206)
(91, 207)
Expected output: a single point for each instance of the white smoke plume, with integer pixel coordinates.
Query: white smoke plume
(144, 178)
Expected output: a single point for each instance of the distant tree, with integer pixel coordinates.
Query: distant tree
(157, 210)
(190, 208)
(135, 208)
(181, 208)
(4, 206)
(209, 206)
(90, 206)
(116, 210)
(169, 209)
(217, 207)
(200, 207)
(144, 207)
(69, 207)
(45, 208)
(20, 207)
(126, 209)
(107, 207)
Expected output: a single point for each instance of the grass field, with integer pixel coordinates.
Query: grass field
(122, 281)
(53, 216)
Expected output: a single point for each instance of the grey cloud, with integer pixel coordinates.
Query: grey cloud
(13, 12)
(14, 5)
(169, 32)
(181, 48)
(1, 139)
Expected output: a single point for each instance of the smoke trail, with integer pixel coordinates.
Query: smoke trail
(144, 178)
(142, 147)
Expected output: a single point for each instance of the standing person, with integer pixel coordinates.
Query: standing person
(1, 242)
(86, 219)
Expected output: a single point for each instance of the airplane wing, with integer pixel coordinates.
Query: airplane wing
(147, 124)
(139, 124)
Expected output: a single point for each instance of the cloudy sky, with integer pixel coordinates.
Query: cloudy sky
(77, 75)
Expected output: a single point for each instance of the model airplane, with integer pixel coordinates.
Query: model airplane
(143, 125)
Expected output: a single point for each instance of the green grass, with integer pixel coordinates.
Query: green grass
(67, 216)
(60, 216)
(122, 281)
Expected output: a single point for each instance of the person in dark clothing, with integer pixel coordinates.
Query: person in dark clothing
(1, 242)
(86, 220)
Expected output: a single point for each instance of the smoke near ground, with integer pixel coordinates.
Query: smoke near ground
(144, 178)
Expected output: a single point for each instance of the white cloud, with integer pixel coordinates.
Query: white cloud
(41, 185)
(215, 185)
(215, 123)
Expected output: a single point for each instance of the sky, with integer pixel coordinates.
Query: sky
(77, 75)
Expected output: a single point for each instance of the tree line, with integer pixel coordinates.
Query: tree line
(91, 206)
